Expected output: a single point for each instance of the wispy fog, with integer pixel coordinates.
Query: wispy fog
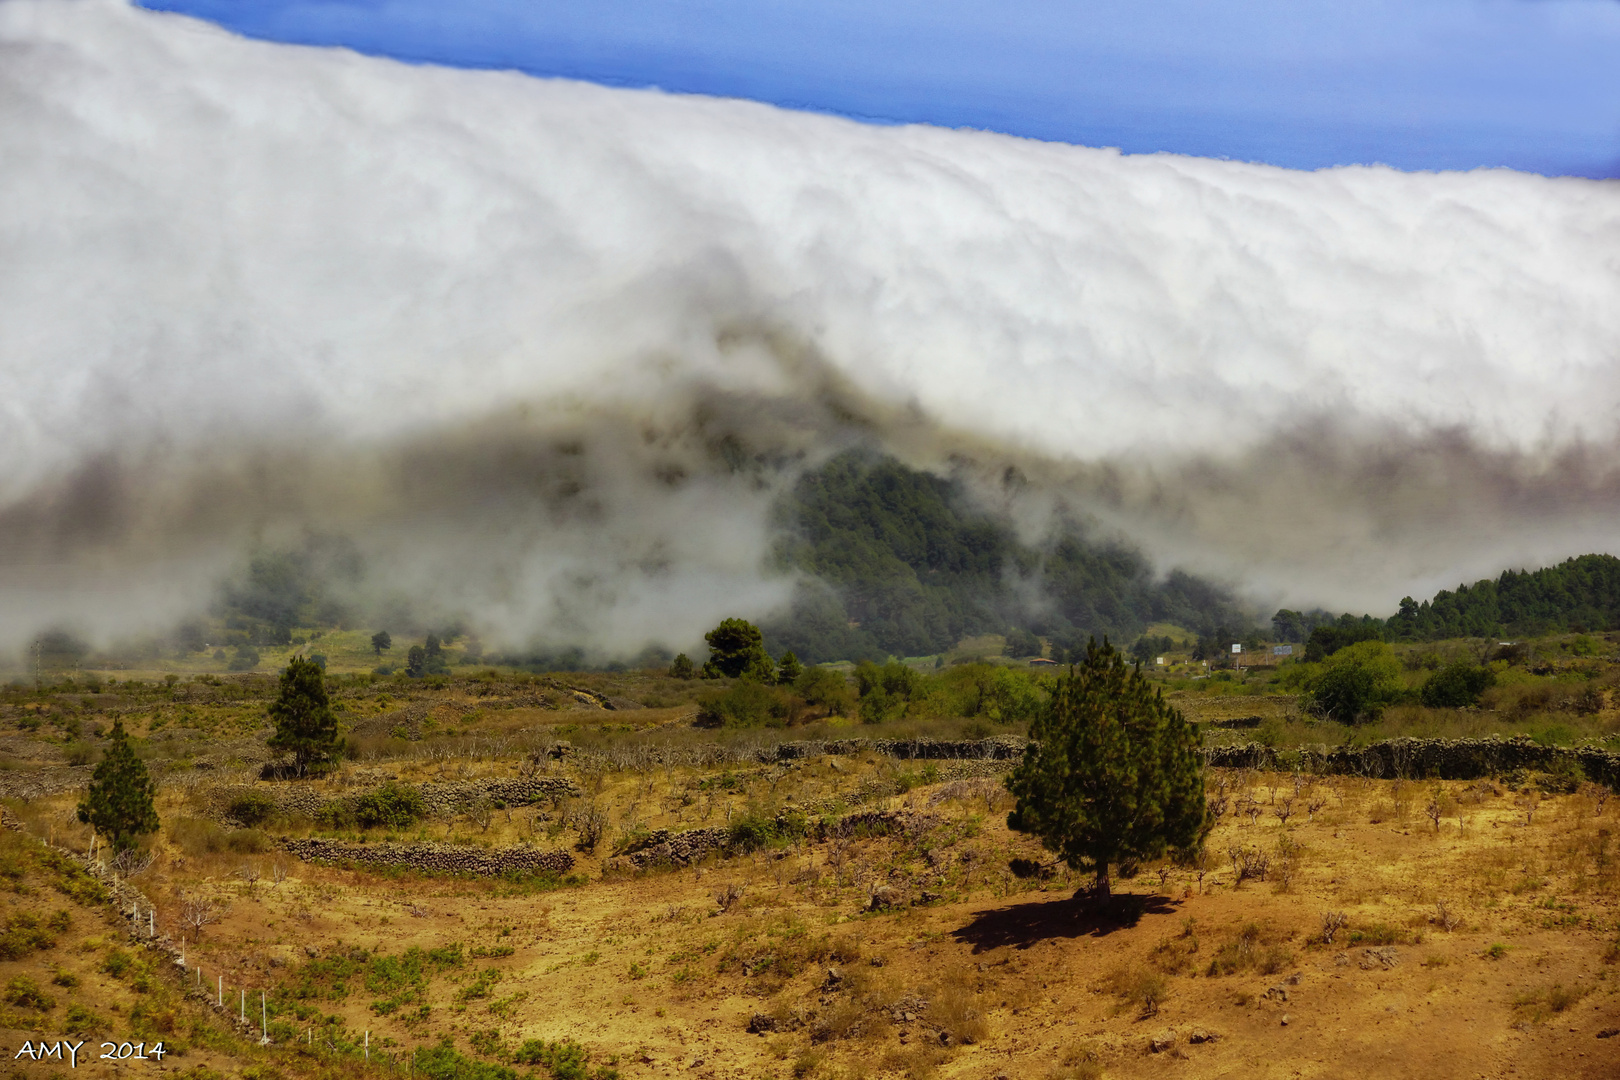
(547, 351)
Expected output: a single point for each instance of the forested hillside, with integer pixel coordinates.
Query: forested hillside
(903, 564)
(1577, 595)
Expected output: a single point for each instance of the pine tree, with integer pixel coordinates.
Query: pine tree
(1113, 773)
(305, 725)
(681, 667)
(736, 650)
(788, 669)
(118, 804)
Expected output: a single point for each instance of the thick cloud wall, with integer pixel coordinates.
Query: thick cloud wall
(548, 350)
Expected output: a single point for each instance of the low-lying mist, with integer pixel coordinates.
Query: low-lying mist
(549, 353)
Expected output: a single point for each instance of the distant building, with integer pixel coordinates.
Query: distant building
(1042, 660)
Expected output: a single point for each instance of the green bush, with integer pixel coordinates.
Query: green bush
(748, 704)
(1355, 683)
(824, 688)
(25, 993)
(23, 935)
(252, 808)
(1457, 685)
(392, 806)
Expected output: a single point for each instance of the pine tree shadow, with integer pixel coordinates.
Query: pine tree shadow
(1023, 925)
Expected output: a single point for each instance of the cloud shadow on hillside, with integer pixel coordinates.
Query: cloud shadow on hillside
(1023, 925)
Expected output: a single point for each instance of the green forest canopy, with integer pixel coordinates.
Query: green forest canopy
(1577, 595)
(900, 563)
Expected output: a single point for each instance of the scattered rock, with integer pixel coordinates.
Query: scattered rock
(1284, 1019)
(761, 1023)
(885, 897)
(1200, 1035)
(927, 898)
(1276, 993)
(1164, 1040)
(834, 980)
(1386, 958)
(1293, 980)
(1608, 1033)
(311, 951)
(1343, 960)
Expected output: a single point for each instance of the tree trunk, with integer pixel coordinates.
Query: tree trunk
(1101, 892)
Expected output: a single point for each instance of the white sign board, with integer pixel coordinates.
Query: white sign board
(1282, 650)
(1159, 661)
(1236, 647)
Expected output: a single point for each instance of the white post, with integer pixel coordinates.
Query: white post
(220, 1004)
(264, 1017)
(151, 923)
(368, 1045)
(242, 1004)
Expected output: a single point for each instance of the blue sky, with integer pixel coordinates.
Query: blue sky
(1418, 84)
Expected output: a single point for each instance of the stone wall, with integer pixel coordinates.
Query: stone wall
(1442, 759)
(663, 848)
(434, 858)
(438, 800)
(999, 748)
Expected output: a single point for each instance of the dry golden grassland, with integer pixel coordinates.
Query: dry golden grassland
(1473, 933)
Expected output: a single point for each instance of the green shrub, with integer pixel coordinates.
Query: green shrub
(83, 1021)
(117, 963)
(26, 993)
(566, 1059)
(252, 808)
(1355, 683)
(22, 936)
(1457, 685)
(392, 806)
(445, 1062)
(748, 704)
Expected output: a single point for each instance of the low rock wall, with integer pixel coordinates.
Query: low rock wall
(1440, 759)
(663, 848)
(434, 858)
(999, 748)
(438, 800)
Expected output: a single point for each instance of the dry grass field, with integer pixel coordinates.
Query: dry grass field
(1484, 945)
(866, 917)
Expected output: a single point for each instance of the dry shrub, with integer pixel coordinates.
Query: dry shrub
(1082, 1061)
(915, 1063)
(199, 836)
(1143, 990)
(957, 1013)
(1539, 1005)
(1253, 948)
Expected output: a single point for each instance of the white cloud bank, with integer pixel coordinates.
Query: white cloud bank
(504, 330)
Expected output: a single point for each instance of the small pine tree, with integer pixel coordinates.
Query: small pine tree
(681, 667)
(118, 804)
(788, 669)
(737, 650)
(305, 725)
(380, 641)
(1112, 774)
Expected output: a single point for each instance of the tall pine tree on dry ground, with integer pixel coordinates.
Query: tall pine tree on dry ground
(305, 724)
(118, 804)
(1113, 774)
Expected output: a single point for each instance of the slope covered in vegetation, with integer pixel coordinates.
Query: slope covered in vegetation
(902, 563)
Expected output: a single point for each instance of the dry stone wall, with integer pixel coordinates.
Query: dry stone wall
(438, 800)
(434, 858)
(1441, 759)
(999, 748)
(663, 848)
